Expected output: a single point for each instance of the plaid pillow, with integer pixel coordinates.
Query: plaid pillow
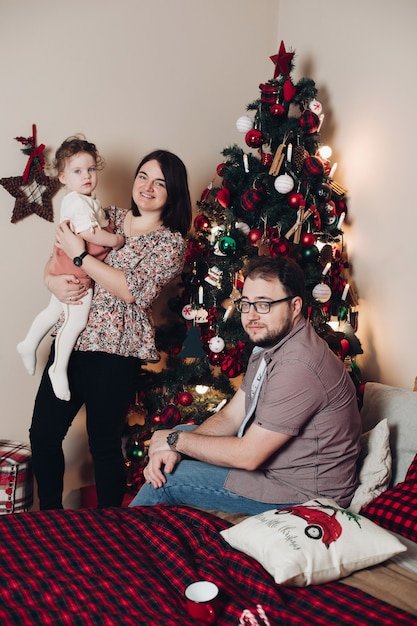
(412, 471)
(395, 509)
(16, 482)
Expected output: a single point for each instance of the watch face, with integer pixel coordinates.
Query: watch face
(172, 438)
(78, 260)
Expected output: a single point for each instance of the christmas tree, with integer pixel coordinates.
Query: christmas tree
(276, 196)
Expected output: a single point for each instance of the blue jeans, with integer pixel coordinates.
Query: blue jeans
(200, 484)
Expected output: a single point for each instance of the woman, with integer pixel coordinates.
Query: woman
(104, 364)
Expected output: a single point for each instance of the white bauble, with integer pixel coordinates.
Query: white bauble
(188, 312)
(322, 292)
(315, 106)
(216, 344)
(245, 228)
(284, 183)
(244, 124)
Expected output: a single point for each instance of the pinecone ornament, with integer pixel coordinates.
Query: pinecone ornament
(299, 155)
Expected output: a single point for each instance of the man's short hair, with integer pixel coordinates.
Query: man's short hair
(285, 270)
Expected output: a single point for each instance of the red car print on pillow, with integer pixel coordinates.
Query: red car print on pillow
(321, 525)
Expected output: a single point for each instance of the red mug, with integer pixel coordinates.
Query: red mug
(203, 601)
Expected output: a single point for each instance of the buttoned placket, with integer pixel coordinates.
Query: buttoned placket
(254, 392)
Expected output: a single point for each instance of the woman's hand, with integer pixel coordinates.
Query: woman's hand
(73, 245)
(66, 287)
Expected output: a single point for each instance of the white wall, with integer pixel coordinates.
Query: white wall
(362, 55)
(135, 75)
(131, 75)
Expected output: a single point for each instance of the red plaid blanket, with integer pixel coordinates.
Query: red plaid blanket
(121, 567)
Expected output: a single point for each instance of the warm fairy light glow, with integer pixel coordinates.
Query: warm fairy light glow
(201, 389)
(325, 152)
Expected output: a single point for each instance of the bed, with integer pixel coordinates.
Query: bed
(122, 566)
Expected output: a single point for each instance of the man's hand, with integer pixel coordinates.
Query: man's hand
(153, 473)
(159, 442)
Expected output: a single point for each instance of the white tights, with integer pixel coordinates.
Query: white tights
(75, 320)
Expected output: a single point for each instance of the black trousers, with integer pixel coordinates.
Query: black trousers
(106, 384)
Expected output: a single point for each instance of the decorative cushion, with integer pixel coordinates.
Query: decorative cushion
(16, 483)
(396, 508)
(399, 406)
(374, 466)
(412, 470)
(312, 543)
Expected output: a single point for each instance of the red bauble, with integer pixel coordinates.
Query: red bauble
(185, 398)
(341, 207)
(223, 197)
(216, 358)
(312, 166)
(251, 200)
(295, 199)
(309, 122)
(220, 168)
(254, 235)
(254, 138)
(170, 416)
(344, 348)
(280, 247)
(308, 240)
(231, 367)
(277, 109)
(195, 250)
(201, 222)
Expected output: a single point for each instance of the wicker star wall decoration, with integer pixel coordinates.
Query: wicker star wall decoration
(33, 190)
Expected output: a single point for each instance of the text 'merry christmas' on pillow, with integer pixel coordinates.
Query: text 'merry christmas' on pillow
(312, 543)
(399, 407)
(374, 465)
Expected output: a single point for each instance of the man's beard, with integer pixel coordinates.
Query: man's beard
(272, 337)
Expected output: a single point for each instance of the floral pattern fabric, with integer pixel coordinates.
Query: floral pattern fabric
(149, 262)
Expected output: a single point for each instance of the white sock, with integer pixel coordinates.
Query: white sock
(60, 384)
(28, 355)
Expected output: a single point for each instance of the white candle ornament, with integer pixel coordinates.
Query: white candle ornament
(341, 220)
(246, 163)
(200, 295)
(228, 312)
(326, 268)
(333, 170)
(345, 291)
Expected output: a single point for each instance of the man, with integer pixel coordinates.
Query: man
(289, 434)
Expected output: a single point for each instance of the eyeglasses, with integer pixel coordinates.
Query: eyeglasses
(260, 306)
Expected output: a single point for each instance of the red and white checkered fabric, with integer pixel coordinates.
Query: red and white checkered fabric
(16, 482)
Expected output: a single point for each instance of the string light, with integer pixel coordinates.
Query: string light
(201, 389)
(325, 152)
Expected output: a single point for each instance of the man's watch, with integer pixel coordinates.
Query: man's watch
(172, 439)
(78, 260)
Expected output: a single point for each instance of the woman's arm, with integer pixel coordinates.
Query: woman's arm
(110, 278)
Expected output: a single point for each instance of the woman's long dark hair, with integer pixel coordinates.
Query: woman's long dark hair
(177, 213)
